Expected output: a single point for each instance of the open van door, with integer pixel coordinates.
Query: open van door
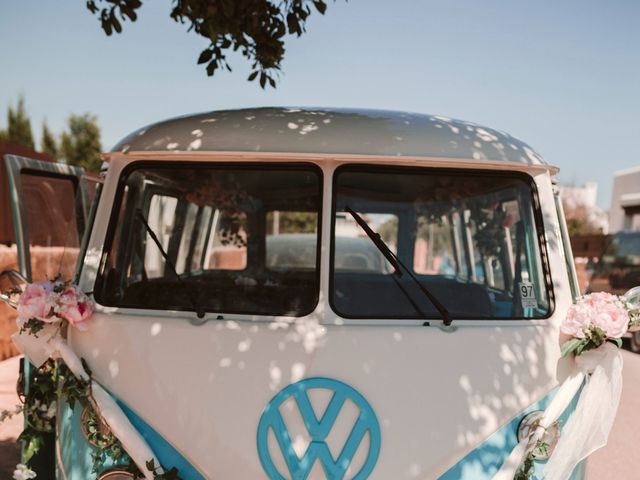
(49, 205)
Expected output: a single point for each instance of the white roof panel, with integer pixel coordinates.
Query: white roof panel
(330, 131)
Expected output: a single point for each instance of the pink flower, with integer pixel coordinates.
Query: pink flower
(576, 321)
(601, 310)
(508, 221)
(75, 307)
(35, 302)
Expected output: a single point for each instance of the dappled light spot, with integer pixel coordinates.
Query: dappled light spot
(225, 362)
(308, 128)
(114, 368)
(244, 346)
(297, 372)
(156, 328)
(485, 136)
(275, 376)
(232, 325)
(465, 384)
(195, 145)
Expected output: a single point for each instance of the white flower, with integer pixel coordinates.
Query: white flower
(22, 472)
(51, 411)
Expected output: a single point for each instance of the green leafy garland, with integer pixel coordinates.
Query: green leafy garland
(527, 468)
(54, 382)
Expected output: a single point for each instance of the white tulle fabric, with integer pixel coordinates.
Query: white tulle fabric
(589, 425)
(50, 344)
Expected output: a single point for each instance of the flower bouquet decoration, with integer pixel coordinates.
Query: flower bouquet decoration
(593, 330)
(46, 312)
(596, 319)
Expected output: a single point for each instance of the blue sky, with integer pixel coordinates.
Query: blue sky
(561, 75)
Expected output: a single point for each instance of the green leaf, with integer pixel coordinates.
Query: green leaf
(253, 76)
(616, 341)
(116, 24)
(211, 68)
(106, 26)
(91, 5)
(320, 6)
(292, 23)
(571, 345)
(205, 56)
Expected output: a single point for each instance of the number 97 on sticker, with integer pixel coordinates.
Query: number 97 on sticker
(528, 295)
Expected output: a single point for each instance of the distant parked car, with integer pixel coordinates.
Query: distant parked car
(619, 270)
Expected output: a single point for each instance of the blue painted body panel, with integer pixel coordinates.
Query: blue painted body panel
(483, 462)
(166, 453)
(74, 449)
(76, 452)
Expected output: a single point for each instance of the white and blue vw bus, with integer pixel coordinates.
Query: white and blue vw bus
(287, 293)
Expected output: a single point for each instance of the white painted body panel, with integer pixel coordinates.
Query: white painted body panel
(437, 394)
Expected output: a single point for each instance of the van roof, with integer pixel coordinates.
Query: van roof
(329, 131)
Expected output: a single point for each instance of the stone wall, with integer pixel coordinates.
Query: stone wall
(8, 260)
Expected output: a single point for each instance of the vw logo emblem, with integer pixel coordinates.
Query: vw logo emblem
(318, 430)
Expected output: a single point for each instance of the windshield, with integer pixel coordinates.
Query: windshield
(471, 239)
(235, 239)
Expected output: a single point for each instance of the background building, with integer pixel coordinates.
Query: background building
(625, 200)
(583, 215)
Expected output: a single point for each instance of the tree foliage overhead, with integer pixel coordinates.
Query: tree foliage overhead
(80, 146)
(19, 125)
(256, 28)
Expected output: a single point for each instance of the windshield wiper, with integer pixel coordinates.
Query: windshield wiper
(194, 302)
(396, 263)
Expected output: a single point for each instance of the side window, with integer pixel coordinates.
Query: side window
(291, 240)
(225, 251)
(439, 246)
(54, 224)
(189, 234)
(203, 230)
(354, 251)
(161, 219)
